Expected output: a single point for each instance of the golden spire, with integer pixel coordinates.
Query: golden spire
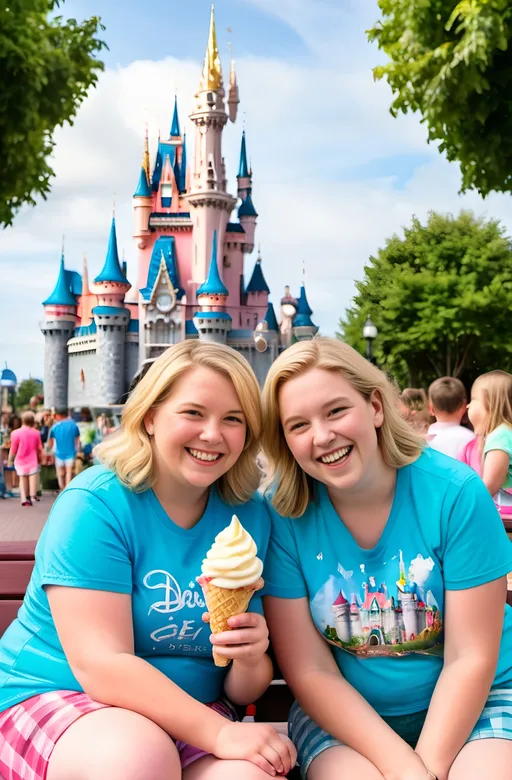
(212, 71)
(145, 156)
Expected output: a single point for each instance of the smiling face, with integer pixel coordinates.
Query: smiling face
(331, 429)
(199, 432)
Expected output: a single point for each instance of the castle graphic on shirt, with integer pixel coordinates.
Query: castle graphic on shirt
(370, 619)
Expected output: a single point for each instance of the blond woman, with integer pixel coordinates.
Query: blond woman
(108, 672)
(386, 575)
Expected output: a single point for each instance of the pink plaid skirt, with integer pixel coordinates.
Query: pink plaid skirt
(30, 730)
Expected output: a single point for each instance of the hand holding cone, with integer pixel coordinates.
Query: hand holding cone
(231, 574)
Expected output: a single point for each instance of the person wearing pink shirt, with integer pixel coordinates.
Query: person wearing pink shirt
(26, 452)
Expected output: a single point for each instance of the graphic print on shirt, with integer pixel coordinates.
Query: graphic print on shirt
(180, 634)
(392, 618)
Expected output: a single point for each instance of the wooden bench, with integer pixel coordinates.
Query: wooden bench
(16, 564)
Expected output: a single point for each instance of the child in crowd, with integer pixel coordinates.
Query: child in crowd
(413, 406)
(64, 438)
(490, 412)
(26, 453)
(107, 673)
(447, 403)
(386, 582)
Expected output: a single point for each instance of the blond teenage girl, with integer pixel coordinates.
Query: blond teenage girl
(386, 581)
(490, 411)
(108, 672)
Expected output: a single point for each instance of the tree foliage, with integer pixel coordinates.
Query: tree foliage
(47, 65)
(26, 390)
(452, 62)
(441, 298)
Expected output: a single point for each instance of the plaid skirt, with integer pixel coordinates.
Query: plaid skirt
(30, 730)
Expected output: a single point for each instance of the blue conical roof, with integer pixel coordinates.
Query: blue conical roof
(112, 271)
(270, 319)
(143, 189)
(183, 168)
(214, 284)
(61, 295)
(8, 378)
(175, 127)
(246, 208)
(304, 312)
(243, 168)
(257, 282)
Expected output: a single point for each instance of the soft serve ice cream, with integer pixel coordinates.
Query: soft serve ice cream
(231, 573)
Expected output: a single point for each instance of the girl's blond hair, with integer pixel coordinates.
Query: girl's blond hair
(399, 444)
(496, 387)
(128, 451)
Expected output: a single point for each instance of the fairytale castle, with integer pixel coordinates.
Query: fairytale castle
(191, 275)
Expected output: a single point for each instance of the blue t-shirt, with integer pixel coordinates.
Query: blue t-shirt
(382, 609)
(102, 536)
(65, 433)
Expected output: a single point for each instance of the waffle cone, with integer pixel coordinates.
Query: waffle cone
(223, 603)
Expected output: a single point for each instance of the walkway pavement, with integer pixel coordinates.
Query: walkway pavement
(23, 523)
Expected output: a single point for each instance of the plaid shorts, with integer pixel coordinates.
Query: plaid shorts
(495, 722)
(30, 730)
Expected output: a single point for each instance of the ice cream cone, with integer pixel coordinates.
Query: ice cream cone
(223, 603)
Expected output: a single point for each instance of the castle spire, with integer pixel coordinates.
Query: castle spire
(233, 95)
(212, 70)
(111, 271)
(61, 295)
(175, 127)
(145, 155)
(213, 284)
(85, 278)
(243, 168)
(303, 326)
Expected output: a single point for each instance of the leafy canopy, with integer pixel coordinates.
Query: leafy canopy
(47, 65)
(440, 297)
(452, 62)
(27, 388)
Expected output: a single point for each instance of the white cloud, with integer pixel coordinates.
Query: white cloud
(306, 123)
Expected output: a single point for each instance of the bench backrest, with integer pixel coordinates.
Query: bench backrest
(16, 564)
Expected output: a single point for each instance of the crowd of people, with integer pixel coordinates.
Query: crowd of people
(384, 559)
(478, 433)
(54, 440)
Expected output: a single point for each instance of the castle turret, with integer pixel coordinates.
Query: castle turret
(60, 317)
(175, 127)
(210, 204)
(248, 216)
(303, 326)
(257, 290)
(111, 318)
(213, 322)
(243, 177)
(142, 200)
(341, 610)
(234, 96)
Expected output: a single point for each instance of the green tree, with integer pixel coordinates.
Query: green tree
(26, 389)
(47, 65)
(452, 62)
(441, 298)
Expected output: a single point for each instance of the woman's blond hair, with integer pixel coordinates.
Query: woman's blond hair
(399, 444)
(28, 418)
(496, 388)
(128, 451)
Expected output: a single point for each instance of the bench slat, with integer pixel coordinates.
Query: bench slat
(8, 611)
(14, 577)
(17, 551)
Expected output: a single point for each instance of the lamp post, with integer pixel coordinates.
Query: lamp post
(370, 333)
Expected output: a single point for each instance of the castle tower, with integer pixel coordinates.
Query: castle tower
(303, 326)
(111, 318)
(213, 322)
(341, 610)
(209, 202)
(244, 177)
(60, 317)
(356, 627)
(142, 200)
(410, 614)
(257, 290)
(233, 95)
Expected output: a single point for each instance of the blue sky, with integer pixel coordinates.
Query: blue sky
(334, 174)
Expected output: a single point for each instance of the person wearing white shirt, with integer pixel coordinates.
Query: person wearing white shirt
(447, 403)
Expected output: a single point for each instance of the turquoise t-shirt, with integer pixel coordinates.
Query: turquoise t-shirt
(382, 609)
(102, 536)
(501, 439)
